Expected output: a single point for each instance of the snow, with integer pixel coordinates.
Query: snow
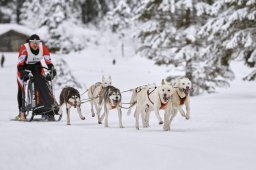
(220, 134)
(18, 28)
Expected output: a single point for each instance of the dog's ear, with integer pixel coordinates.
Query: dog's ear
(109, 77)
(163, 82)
(103, 78)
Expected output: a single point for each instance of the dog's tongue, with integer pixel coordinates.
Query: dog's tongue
(186, 91)
(115, 102)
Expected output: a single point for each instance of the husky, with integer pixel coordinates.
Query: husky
(70, 97)
(181, 97)
(152, 99)
(94, 92)
(133, 99)
(111, 99)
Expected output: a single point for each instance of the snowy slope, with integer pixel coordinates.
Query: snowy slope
(219, 135)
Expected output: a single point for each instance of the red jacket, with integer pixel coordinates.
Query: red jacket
(24, 56)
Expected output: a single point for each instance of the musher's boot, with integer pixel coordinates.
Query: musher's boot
(21, 116)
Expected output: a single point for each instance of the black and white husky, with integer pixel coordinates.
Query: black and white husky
(111, 99)
(70, 97)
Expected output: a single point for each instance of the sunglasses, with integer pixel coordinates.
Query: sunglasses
(35, 41)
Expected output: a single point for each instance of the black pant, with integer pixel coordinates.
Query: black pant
(19, 97)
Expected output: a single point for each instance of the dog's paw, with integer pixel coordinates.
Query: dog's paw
(137, 128)
(187, 117)
(106, 126)
(68, 124)
(161, 122)
(93, 115)
(121, 126)
(166, 128)
(83, 118)
(99, 122)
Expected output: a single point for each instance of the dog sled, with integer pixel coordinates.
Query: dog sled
(38, 98)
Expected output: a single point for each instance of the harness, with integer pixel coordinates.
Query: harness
(163, 105)
(113, 107)
(148, 93)
(182, 100)
(96, 85)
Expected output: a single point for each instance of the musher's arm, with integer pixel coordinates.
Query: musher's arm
(21, 59)
(47, 57)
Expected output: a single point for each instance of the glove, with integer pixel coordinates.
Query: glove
(24, 75)
(48, 77)
(53, 71)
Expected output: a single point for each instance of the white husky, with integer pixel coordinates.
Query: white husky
(152, 99)
(94, 92)
(181, 96)
(135, 92)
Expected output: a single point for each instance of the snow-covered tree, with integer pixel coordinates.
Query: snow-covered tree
(10, 11)
(63, 17)
(93, 10)
(65, 76)
(169, 35)
(120, 17)
(33, 13)
(231, 31)
(5, 11)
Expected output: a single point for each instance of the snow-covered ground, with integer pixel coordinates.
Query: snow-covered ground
(221, 133)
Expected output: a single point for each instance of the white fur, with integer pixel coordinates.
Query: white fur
(135, 92)
(93, 94)
(145, 106)
(174, 105)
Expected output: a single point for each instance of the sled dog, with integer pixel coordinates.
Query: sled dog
(70, 97)
(135, 92)
(152, 99)
(94, 92)
(111, 99)
(181, 97)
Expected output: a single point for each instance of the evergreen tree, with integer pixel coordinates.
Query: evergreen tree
(231, 31)
(65, 76)
(5, 14)
(19, 4)
(93, 10)
(169, 35)
(10, 11)
(33, 13)
(120, 17)
(63, 15)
